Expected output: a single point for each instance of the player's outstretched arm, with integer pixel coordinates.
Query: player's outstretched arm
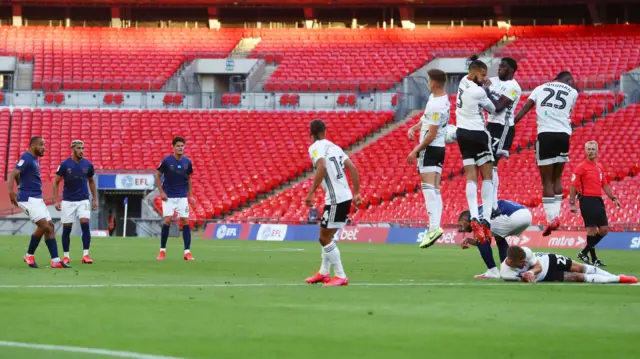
(14, 176)
(321, 171)
(523, 111)
(355, 180)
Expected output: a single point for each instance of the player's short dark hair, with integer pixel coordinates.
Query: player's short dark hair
(437, 75)
(464, 214)
(34, 139)
(317, 127)
(476, 64)
(511, 62)
(516, 253)
(178, 139)
(563, 75)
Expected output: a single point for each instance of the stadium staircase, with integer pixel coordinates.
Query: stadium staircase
(390, 186)
(308, 175)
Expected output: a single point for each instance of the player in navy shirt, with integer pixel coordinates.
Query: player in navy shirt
(29, 199)
(174, 183)
(77, 173)
(512, 220)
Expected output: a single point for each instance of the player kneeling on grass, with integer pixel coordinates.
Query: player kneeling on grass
(522, 264)
(513, 219)
(329, 162)
(77, 173)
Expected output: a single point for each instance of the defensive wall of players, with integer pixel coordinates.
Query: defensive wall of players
(398, 235)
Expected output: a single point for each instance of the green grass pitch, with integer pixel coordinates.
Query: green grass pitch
(247, 299)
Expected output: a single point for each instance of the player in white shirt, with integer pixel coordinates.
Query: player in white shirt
(554, 102)
(330, 162)
(522, 264)
(475, 144)
(505, 93)
(430, 151)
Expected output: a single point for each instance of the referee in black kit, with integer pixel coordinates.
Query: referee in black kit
(588, 180)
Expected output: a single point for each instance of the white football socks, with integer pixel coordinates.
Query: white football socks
(595, 278)
(558, 205)
(333, 254)
(431, 198)
(472, 198)
(325, 266)
(589, 269)
(66, 254)
(438, 215)
(496, 184)
(487, 199)
(85, 252)
(549, 207)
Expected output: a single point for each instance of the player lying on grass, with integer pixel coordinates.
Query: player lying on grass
(522, 264)
(513, 219)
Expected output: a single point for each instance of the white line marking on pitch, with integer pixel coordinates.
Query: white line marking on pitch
(241, 285)
(92, 351)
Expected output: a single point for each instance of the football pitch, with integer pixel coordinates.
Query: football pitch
(247, 299)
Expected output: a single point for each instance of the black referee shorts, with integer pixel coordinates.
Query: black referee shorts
(593, 211)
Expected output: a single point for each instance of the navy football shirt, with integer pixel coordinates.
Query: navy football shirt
(76, 179)
(507, 208)
(30, 181)
(176, 174)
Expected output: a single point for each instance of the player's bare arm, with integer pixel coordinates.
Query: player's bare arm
(321, 171)
(158, 178)
(412, 131)
(426, 141)
(607, 189)
(189, 188)
(486, 103)
(467, 242)
(14, 176)
(56, 186)
(532, 273)
(94, 193)
(523, 111)
(355, 181)
(502, 103)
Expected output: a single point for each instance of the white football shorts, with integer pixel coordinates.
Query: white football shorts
(171, 205)
(75, 209)
(36, 209)
(513, 225)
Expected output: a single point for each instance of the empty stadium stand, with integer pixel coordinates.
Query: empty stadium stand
(96, 58)
(389, 183)
(363, 60)
(236, 154)
(543, 51)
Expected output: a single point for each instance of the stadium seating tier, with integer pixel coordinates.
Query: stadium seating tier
(236, 154)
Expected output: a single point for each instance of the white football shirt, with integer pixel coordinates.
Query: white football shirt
(514, 274)
(509, 89)
(335, 184)
(436, 113)
(469, 104)
(554, 102)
